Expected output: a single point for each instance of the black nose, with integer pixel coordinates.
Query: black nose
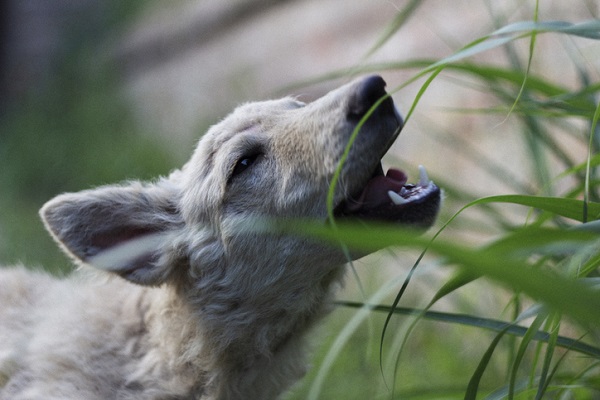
(368, 91)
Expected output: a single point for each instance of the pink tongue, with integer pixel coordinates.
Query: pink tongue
(376, 191)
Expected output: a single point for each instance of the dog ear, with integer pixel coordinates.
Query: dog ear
(121, 229)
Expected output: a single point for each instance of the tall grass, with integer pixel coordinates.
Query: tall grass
(545, 342)
(541, 340)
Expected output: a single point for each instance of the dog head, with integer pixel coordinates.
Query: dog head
(273, 159)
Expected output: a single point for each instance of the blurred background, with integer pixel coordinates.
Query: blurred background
(94, 92)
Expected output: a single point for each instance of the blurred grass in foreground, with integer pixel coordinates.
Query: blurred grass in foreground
(545, 342)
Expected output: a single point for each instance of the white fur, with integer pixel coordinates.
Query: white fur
(194, 304)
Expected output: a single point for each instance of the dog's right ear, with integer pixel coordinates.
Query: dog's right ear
(122, 229)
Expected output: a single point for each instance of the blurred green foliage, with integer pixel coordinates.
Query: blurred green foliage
(544, 268)
(74, 133)
(78, 133)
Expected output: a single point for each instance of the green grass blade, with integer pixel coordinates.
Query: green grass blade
(586, 193)
(557, 365)
(588, 29)
(459, 280)
(568, 208)
(342, 338)
(398, 21)
(530, 59)
(593, 226)
(590, 162)
(421, 92)
(576, 380)
(453, 284)
(388, 317)
(527, 338)
(590, 265)
(546, 286)
(554, 324)
(473, 386)
(480, 323)
(538, 240)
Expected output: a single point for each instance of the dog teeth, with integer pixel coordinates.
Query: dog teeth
(423, 177)
(396, 198)
(411, 191)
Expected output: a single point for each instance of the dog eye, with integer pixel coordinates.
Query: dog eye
(243, 164)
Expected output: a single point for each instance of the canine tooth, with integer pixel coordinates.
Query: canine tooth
(423, 177)
(396, 198)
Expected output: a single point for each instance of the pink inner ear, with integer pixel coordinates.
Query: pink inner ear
(134, 259)
(104, 240)
(138, 269)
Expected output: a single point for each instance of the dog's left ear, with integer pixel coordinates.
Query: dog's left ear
(121, 229)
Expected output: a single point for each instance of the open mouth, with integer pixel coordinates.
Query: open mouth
(389, 198)
(386, 197)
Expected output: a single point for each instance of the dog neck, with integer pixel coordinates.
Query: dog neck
(248, 332)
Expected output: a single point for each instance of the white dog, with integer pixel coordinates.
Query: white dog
(200, 307)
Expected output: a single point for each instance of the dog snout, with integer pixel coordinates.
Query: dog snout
(368, 91)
